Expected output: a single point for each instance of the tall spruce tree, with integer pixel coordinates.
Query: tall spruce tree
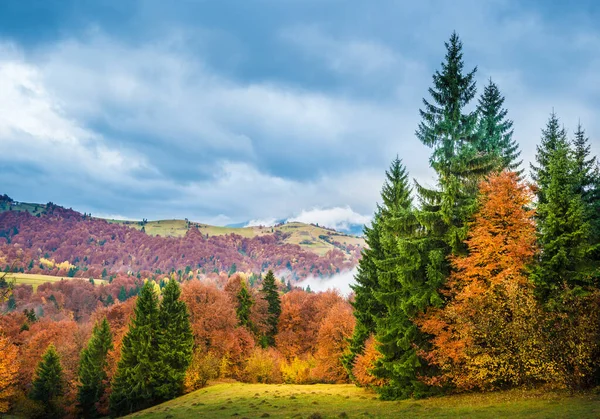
(553, 136)
(585, 165)
(437, 229)
(133, 387)
(175, 343)
(495, 130)
(92, 369)
(271, 295)
(48, 385)
(380, 258)
(562, 226)
(366, 307)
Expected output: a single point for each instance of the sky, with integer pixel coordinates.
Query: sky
(260, 110)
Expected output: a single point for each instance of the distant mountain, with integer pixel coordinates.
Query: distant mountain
(350, 229)
(92, 245)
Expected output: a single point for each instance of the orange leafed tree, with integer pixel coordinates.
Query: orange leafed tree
(333, 340)
(489, 334)
(9, 370)
(364, 363)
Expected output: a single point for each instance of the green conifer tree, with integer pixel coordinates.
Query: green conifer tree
(495, 130)
(133, 387)
(562, 226)
(122, 294)
(244, 305)
(92, 369)
(427, 236)
(366, 307)
(377, 269)
(588, 186)
(553, 137)
(271, 295)
(175, 343)
(48, 385)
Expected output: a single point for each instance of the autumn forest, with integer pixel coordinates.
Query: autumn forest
(488, 281)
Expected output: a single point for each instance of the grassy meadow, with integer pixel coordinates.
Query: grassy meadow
(239, 400)
(35, 280)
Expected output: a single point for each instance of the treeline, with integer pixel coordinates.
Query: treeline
(167, 340)
(485, 281)
(63, 242)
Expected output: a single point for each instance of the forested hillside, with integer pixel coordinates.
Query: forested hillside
(59, 241)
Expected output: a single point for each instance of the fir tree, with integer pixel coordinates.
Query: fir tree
(48, 385)
(92, 369)
(244, 305)
(175, 343)
(133, 387)
(584, 165)
(122, 294)
(377, 268)
(495, 130)
(588, 186)
(562, 226)
(427, 236)
(271, 295)
(366, 308)
(553, 137)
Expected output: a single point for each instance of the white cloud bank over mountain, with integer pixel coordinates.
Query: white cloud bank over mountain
(338, 218)
(340, 282)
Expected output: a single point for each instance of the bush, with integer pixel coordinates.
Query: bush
(298, 371)
(204, 367)
(263, 366)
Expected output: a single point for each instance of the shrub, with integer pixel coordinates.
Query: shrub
(204, 367)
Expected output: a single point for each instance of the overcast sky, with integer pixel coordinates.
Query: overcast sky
(228, 111)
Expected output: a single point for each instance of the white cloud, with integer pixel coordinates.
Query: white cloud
(340, 282)
(267, 222)
(338, 218)
(35, 129)
(347, 56)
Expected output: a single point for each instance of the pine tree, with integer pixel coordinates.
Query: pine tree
(553, 137)
(48, 385)
(562, 226)
(122, 294)
(133, 387)
(377, 268)
(92, 369)
(588, 186)
(244, 305)
(366, 308)
(271, 295)
(434, 231)
(175, 343)
(584, 164)
(495, 130)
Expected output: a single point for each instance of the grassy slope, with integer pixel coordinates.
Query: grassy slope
(305, 235)
(35, 280)
(332, 401)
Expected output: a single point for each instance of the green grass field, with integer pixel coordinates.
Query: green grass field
(236, 400)
(34, 280)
